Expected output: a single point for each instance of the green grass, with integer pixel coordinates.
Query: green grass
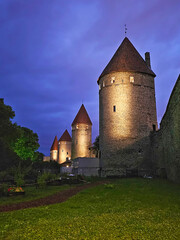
(32, 193)
(124, 209)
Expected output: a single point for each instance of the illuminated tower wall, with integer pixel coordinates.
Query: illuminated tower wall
(54, 150)
(81, 134)
(127, 108)
(64, 147)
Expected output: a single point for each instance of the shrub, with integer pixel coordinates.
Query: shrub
(109, 186)
(19, 180)
(3, 189)
(44, 178)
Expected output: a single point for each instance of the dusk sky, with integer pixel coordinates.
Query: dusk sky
(53, 51)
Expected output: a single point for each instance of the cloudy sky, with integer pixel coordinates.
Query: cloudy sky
(53, 51)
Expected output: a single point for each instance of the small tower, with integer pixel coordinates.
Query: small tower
(81, 134)
(127, 108)
(64, 147)
(54, 150)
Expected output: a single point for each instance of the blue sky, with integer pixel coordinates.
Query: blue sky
(53, 51)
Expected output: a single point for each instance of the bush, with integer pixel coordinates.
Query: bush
(44, 178)
(19, 180)
(3, 189)
(109, 186)
(3, 176)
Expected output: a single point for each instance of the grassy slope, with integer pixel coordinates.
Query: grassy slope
(132, 209)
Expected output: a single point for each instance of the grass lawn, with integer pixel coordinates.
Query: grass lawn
(32, 193)
(124, 209)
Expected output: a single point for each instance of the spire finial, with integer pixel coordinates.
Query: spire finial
(125, 29)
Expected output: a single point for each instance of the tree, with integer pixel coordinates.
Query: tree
(16, 143)
(8, 130)
(26, 144)
(8, 133)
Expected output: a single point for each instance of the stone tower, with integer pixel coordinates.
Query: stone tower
(127, 108)
(81, 134)
(54, 150)
(64, 147)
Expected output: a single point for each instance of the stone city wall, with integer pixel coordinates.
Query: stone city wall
(165, 144)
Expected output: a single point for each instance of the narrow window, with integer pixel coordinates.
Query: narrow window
(62, 150)
(113, 80)
(154, 127)
(103, 84)
(131, 79)
(77, 126)
(67, 153)
(114, 108)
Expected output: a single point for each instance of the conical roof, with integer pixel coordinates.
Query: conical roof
(65, 137)
(127, 59)
(55, 144)
(82, 117)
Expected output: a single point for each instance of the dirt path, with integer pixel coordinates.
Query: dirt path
(52, 199)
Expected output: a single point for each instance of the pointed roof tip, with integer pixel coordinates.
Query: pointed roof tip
(126, 59)
(55, 144)
(65, 137)
(82, 117)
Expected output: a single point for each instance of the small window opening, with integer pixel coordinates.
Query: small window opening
(62, 150)
(154, 127)
(103, 84)
(67, 153)
(131, 79)
(77, 126)
(113, 80)
(114, 108)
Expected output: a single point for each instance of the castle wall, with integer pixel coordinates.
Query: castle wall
(54, 155)
(131, 120)
(81, 140)
(64, 151)
(166, 142)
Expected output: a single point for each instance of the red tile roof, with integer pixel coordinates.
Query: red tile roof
(82, 117)
(55, 144)
(65, 137)
(127, 59)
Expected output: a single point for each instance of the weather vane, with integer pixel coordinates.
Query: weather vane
(125, 29)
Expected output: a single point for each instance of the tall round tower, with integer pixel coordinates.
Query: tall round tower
(54, 150)
(81, 134)
(64, 147)
(127, 108)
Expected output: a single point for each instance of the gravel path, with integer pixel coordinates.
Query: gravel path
(52, 199)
